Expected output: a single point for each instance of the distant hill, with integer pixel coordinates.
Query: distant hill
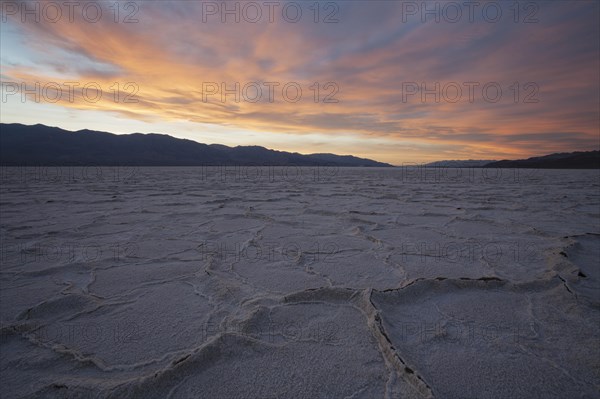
(45, 145)
(563, 160)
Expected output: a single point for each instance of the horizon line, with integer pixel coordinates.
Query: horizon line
(273, 149)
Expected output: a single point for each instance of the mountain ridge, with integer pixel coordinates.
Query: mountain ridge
(37, 145)
(45, 145)
(557, 160)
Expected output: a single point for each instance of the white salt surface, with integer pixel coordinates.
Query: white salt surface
(299, 283)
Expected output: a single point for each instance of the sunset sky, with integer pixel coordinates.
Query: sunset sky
(371, 58)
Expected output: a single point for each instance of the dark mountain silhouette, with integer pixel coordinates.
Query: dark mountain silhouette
(45, 145)
(563, 160)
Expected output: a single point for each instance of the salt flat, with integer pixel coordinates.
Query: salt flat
(315, 282)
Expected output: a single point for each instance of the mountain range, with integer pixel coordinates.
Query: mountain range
(45, 145)
(561, 160)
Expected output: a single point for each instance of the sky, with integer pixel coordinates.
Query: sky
(394, 81)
